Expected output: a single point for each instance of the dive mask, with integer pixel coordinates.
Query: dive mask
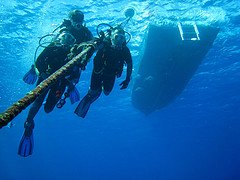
(118, 38)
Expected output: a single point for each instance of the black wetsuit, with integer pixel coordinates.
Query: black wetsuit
(50, 60)
(108, 64)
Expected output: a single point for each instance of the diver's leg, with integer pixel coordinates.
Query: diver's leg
(54, 96)
(29, 123)
(36, 106)
(92, 95)
(85, 103)
(108, 83)
(26, 144)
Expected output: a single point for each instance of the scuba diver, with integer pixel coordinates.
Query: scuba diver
(108, 65)
(75, 26)
(53, 57)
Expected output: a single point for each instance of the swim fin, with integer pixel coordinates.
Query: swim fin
(74, 95)
(26, 144)
(83, 106)
(31, 76)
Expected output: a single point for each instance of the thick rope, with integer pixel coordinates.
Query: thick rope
(31, 96)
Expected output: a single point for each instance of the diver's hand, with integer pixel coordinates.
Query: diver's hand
(125, 83)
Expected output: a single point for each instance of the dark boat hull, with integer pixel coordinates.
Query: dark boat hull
(167, 65)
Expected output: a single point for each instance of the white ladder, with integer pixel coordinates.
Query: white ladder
(189, 33)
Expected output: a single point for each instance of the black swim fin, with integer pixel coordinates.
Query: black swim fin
(83, 106)
(26, 144)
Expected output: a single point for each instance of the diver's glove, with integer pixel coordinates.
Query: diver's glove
(31, 76)
(125, 83)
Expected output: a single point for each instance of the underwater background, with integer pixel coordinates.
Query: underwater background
(196, 137)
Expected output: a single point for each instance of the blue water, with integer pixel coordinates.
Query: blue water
(197, 137)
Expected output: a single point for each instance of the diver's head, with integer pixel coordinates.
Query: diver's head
(65, 39)
(76, 17)
(118, 38)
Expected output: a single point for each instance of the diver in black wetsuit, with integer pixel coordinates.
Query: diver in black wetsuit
(53, 57)
(50, 60)
(76, 27)
(108, 64)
